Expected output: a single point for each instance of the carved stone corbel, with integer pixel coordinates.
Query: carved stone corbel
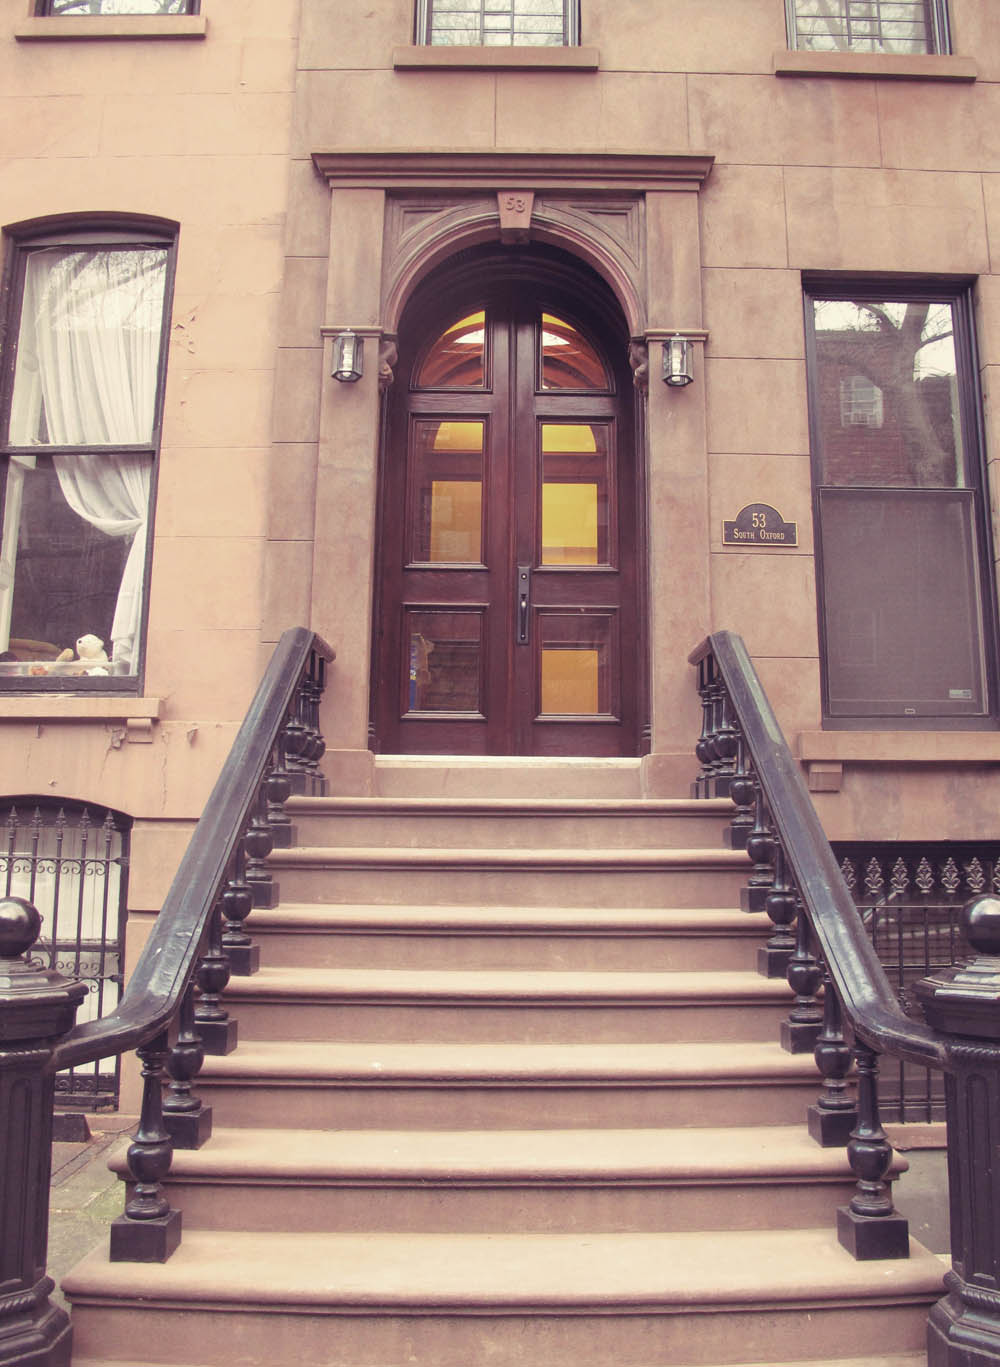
(388, 355)
(638, 359)
(515, 215)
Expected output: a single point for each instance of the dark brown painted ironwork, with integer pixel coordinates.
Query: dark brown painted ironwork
(760, 848)
(835, 1113)
(186, 1119)
(806, 876)
(964, 1328)
(67, 864)
(150, 1229)
(869, 1227)
(801, 1030)
(186, 941)
(37, 1005)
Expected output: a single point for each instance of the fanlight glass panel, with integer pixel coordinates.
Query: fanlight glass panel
(445, 661)
(446, 481)
(568, 361)
(575, 521)
(457, 360)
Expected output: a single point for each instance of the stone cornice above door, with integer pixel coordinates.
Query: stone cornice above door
(590, 204)
(496, 170)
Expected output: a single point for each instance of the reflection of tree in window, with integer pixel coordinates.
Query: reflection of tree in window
(906, 352)
(901, 26)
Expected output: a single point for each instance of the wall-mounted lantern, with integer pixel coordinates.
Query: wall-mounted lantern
(348, 357)
(677, 361)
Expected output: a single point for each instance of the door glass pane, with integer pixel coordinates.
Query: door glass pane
(446, 484)
(887, 394)
(568, 359)
(575, 654)
(457, 360)
(903, 619)
(575, 504)
(444, 652)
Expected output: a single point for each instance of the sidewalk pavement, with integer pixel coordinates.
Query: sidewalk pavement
(84, 1196)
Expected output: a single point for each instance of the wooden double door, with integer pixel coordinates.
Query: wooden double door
(509, 616)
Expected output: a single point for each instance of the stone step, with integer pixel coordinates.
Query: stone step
(508, 1086)
(409, 1005)
(555, 1300)
(501, 1182)
(507, 822)
(491, 877)
(327, 935)
(489, 776)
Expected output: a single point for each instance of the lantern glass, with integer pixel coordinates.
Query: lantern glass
(348, 357)
(677, 368)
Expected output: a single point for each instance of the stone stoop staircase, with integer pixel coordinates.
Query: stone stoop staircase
(508, 1091)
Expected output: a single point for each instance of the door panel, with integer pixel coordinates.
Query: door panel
(509, 620)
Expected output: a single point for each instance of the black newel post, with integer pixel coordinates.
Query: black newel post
(37, 1007)
(964, 1327)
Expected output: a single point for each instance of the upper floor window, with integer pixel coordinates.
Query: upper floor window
(498, 23)
(76, 8)
(79, 426)
(901, 26)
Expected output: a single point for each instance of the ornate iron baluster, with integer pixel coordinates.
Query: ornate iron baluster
(760, 848)
(149, 1230)
(800, 1031)
(278, 789)
(870, 1226)
(237, 904)
(186, 1119)
(780, 904)
(218, 1032)
(258, 844)
(835, 1114)
(702, 749)
(742, 790)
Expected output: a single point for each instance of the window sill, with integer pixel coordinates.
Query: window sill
(496, 58)
(824, 753)
(103, 26)
(76, 707)
(887, 65)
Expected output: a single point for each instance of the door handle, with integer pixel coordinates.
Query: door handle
(523, 590)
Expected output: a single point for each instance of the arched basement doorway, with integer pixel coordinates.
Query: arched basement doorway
(511, 568)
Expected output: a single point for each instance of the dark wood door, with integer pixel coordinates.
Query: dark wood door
(508, 618)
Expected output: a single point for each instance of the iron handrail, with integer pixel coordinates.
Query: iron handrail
(866, 995)
(168, 958)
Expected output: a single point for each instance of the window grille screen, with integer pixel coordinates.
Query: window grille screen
(904, 26)
(498, 23)
(75, 8)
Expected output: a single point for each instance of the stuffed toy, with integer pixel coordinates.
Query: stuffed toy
(90, 652)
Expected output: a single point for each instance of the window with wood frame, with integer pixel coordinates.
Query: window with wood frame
(80, 408)
(498, 23)
(906, 597)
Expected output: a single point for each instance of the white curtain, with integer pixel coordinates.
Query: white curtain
(86, 372)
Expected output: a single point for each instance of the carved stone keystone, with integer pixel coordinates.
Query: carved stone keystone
(515, 215)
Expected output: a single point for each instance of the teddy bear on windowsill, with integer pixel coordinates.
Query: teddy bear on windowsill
(90, 653)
